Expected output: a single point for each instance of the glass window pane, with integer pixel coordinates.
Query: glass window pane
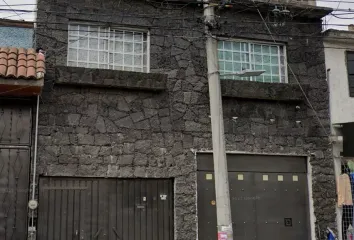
(128, 68)
(103, 57)
(274, 50)
(275, 79)
(267, 78)
(103, 66)
(258, 58)
(103, 44)
(82, 64)
(128, 47)
(245, 47)
(265, 49)
(118, 58)
(245, 66)
(267, 69)
(118, 67)
(128, 36)
(266, 59)
(221, 54)
(72, 64)
(274, 60)
(93, 65)
(93, 43)
(111, 58)
(93, 31)
(236, 57)
(259, 67)
(83, 43)
(93, 56)
(128, 59)
(275, 70)
(236, 46)
(228, 66)
(257, 48)
(138, 37)
(103, 32)
(220, 44)
(245, 57)
(138, 69)
(72, 54)
(83, 55)
(83, 30)
(221, 65)
(74, 43)
(137, 60)
(227, 45)
(144, 59)
(237, 67)
(117, 35)
(118, 47)
(138, 48)
(228, 56)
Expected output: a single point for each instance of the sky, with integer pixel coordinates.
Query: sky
(7, 12)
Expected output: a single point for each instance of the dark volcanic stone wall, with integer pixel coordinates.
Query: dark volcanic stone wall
(141, 129)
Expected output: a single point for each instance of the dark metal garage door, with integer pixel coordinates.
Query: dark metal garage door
(105, 209)
(15, 136)
(269, 198)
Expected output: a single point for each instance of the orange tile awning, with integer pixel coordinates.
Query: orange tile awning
(20, 63)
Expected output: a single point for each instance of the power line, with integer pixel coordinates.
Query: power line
(13, 10)
(297, 80)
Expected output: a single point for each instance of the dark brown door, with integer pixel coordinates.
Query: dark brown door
(15, 135)
(105, 209)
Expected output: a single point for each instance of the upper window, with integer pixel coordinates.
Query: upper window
(235, 56)
(350, 70)
(109, 48)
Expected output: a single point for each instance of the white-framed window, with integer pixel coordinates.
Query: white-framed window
(95, 46)
(237, 55)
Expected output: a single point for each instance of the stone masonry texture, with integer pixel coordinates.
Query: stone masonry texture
(104, 131)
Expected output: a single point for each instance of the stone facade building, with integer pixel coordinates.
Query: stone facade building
(147, 116)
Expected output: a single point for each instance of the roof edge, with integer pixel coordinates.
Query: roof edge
(15, 23)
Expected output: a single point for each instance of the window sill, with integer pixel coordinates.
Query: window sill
(262, 91)
(105, 78)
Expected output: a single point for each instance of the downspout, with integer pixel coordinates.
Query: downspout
(32, 230)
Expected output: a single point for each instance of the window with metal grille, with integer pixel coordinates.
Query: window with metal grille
(350, 70)
(236, 56)
(94, 46)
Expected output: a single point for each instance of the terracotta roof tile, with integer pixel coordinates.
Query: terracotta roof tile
(21, 63)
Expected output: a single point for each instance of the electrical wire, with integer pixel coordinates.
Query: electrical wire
(297, 80)
(13, 10)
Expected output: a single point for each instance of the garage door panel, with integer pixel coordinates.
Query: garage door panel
(273, 195)
(105, 209)
(242, 197)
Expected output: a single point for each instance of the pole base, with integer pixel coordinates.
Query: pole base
(225, 233)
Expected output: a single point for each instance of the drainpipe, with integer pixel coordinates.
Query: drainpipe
(33, 203)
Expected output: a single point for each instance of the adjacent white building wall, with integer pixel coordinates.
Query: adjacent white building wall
(341, 105)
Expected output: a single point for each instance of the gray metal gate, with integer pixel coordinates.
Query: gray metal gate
(105, 209)
(15, 136)
(269, 199)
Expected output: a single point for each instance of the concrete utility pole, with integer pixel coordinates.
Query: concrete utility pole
(223, 209)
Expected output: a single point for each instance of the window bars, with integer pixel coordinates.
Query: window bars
(108, 48)
(235, 56)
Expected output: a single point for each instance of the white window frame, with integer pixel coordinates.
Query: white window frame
(250, 53)
(111, 27)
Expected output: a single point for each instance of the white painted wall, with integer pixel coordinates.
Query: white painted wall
(341, 105)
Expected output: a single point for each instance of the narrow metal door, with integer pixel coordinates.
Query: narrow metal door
(15, 144)
(105, 209)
